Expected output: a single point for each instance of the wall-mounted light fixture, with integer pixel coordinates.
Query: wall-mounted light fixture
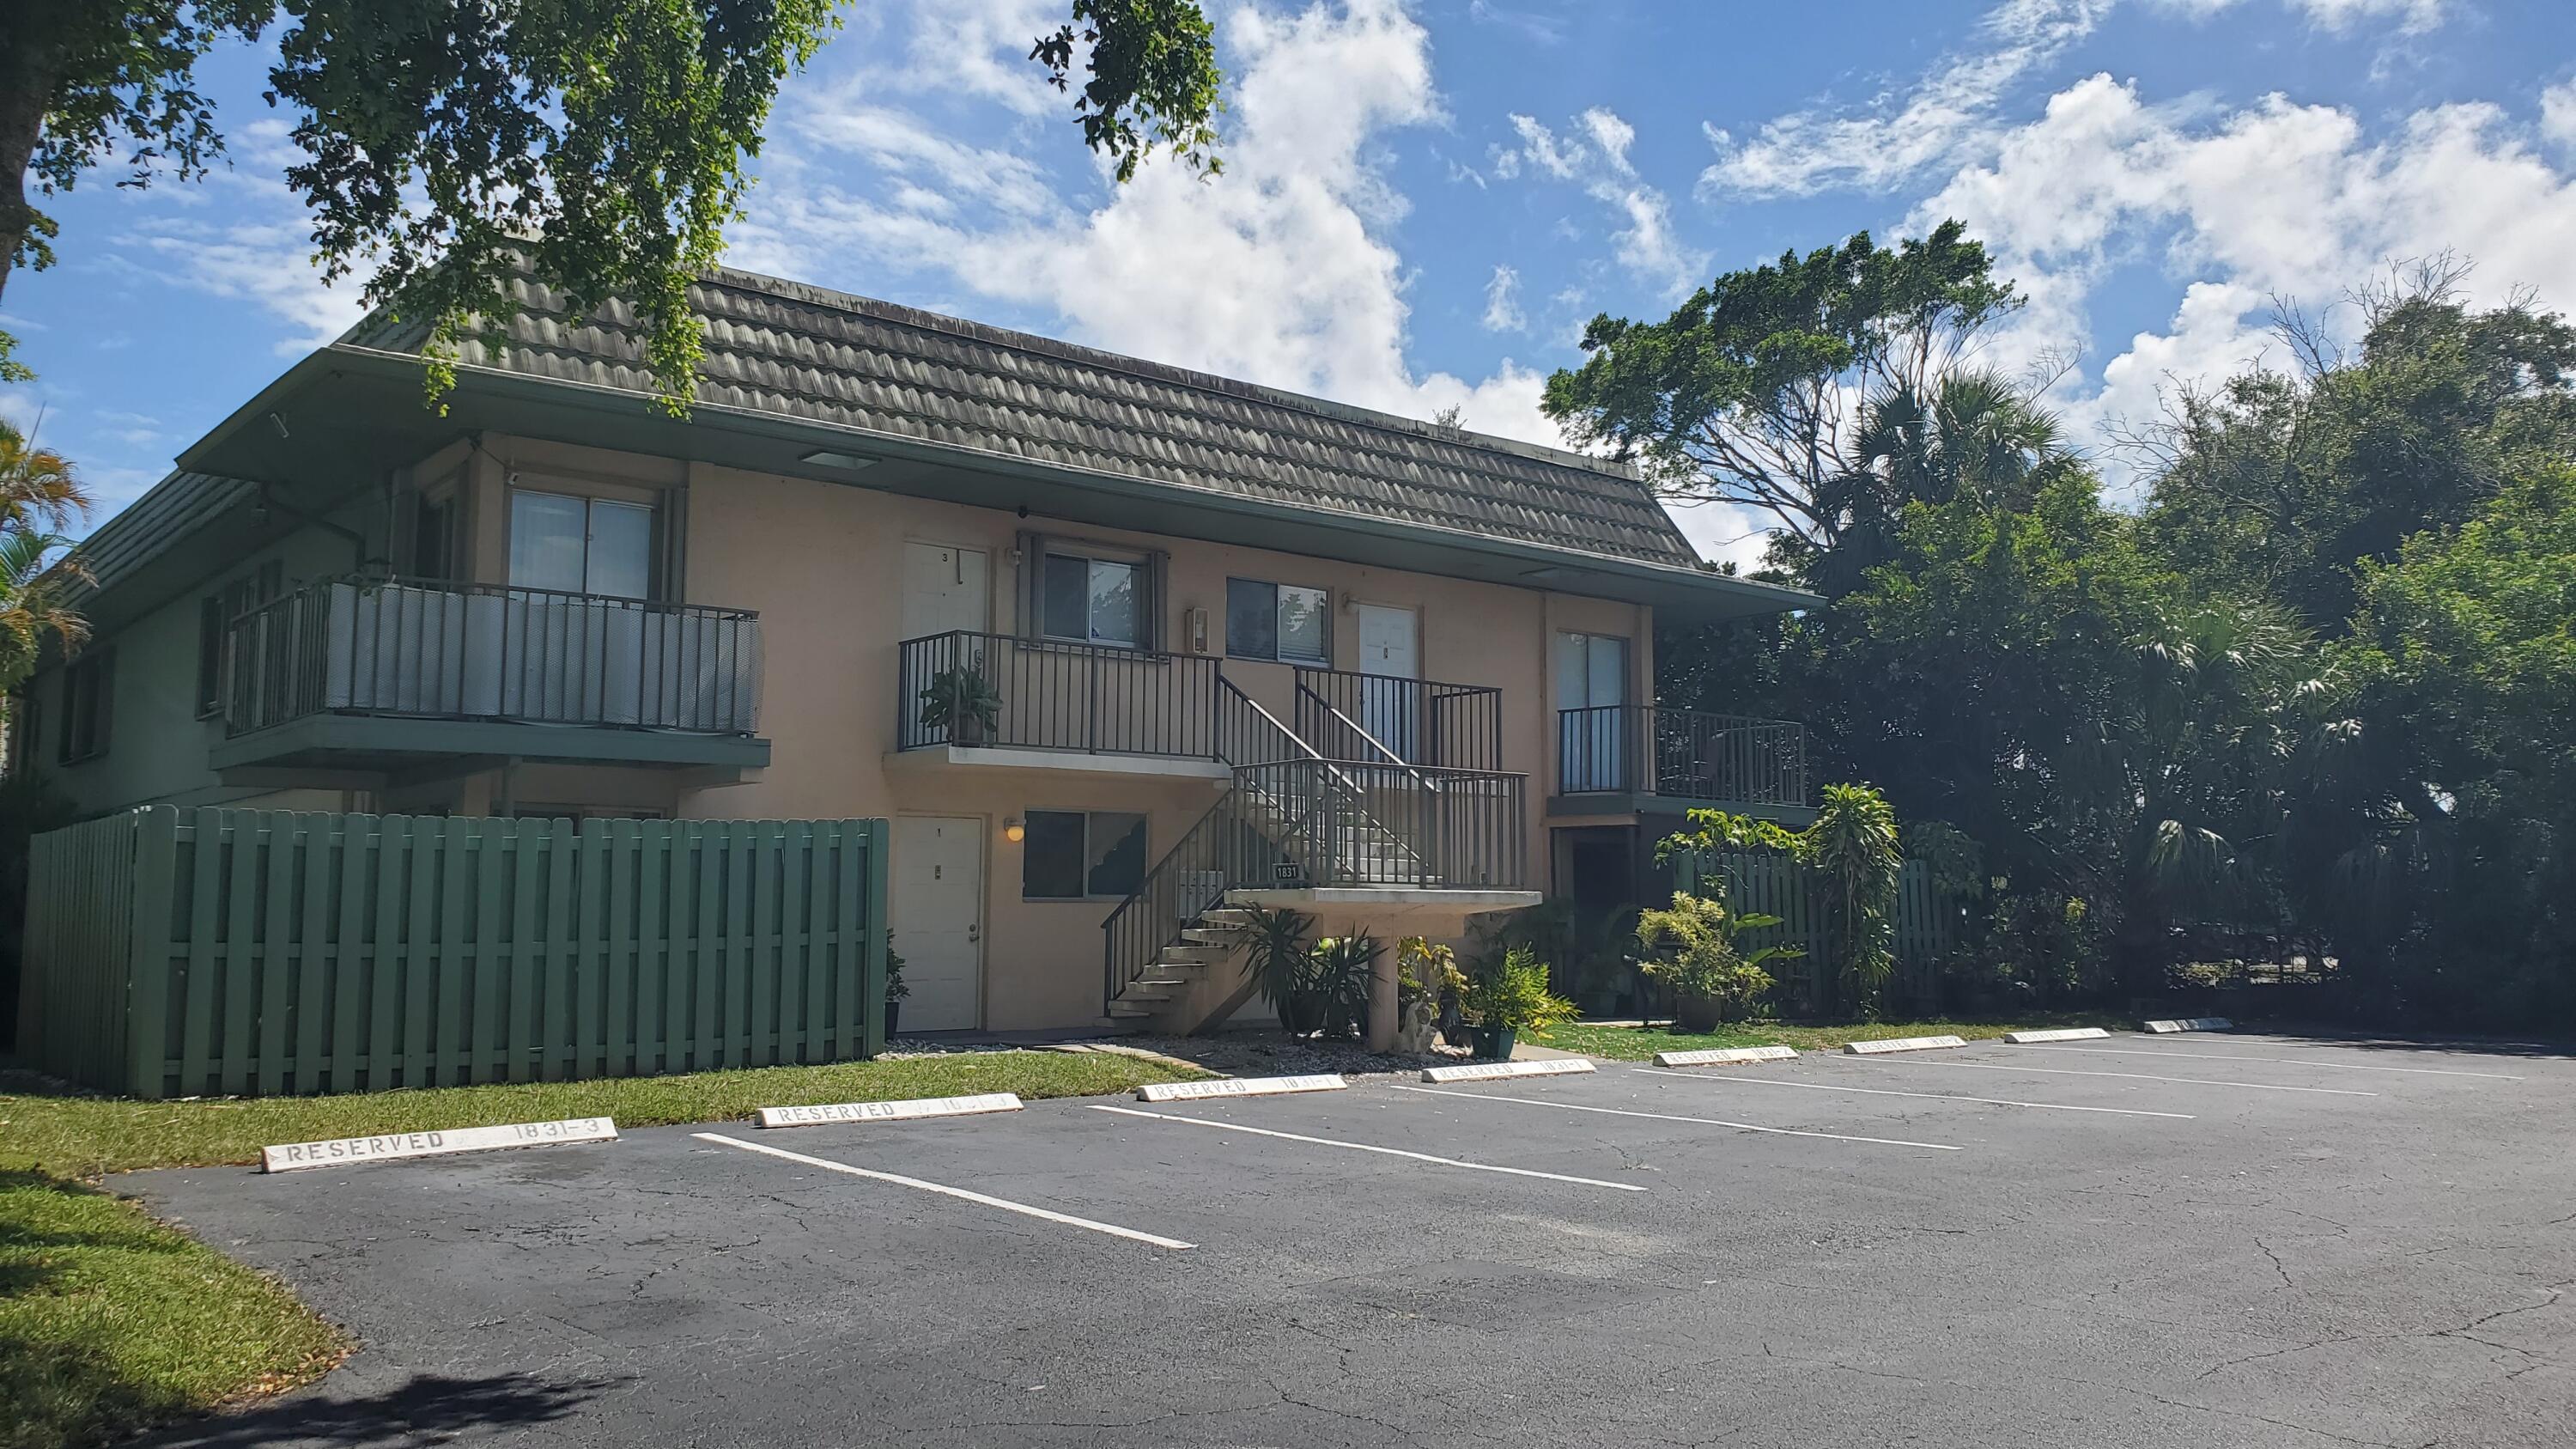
(1015, 830)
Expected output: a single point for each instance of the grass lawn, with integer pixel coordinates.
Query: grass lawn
(1640, 1043)
(110, 1321)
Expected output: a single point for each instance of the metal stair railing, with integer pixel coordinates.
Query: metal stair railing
(1297, 818)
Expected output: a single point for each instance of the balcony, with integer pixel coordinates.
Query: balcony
(367, 675)
(1107, 710)
(1679, 758)
(1085, 707)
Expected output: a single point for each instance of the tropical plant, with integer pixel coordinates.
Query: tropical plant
(1853, 846)
(1850, 855)
(40, 497)
(1512, 995)
(1693, 949)
(895, 990)
(1340, 968)
(962, 703)
(1283, 963)
(1427, 984)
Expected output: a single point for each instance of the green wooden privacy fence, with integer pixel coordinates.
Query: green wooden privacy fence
(1771, 884)
(238, 952)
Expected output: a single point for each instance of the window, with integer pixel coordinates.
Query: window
(433, 538)
(23, 724)
(1276, 621)
(1070, 855)
(215, 615)
(89, 691)
(1092, 600)
(580, 545)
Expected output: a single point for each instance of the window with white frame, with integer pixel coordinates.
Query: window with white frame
(1072, 855)
(1284, 622)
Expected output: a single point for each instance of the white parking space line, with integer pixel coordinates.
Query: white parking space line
(1023, 1209)
(2292, 1062)
(1670, 1117)
(1369, 1147)
(2135, 1077)
(1732, 1080)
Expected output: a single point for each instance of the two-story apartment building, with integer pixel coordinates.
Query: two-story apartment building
(1213, 637)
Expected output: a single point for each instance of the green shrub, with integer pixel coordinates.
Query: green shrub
(1512, 995)
(1696, 954)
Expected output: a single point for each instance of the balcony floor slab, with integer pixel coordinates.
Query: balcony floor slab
(381, 742)
(1074, 762)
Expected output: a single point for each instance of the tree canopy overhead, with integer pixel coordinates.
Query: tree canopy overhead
(1756, 390)
(450, 143)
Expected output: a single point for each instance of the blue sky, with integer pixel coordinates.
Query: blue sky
(1423, 202)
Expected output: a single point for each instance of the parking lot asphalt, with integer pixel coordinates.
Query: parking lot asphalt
(2238, 1240)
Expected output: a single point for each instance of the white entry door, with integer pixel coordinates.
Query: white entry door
(937, 901)
(1594, 725)
(1391, 647)
(945, 588)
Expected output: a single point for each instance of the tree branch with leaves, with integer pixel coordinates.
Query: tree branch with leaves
(453, 146)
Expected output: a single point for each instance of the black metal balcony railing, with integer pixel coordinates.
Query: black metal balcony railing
(1683, 753)
(1060, 696)
(1352, 716)
(492, 652)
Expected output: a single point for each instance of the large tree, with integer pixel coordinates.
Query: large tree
(2281, 483)
(448, 143)
(1760, 389)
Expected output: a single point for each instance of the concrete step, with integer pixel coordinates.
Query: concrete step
(1155, 981)
(1130, 1010)
(1198, 957)
(1225, 916)
(1213, 935)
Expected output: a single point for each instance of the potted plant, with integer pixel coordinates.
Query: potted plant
(1508, 998)
(896, 991)
(961, 702)
(1695, 953)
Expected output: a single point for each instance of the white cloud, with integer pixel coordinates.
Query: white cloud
(1503, 302)
(1594, 152)
(1939, 119)
(2412, 16)
(1539, 148)
(2275, 199)
(2558, 114)
(1611, 136)
(1278, 272)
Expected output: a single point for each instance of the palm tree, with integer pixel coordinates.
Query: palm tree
(41, 497)
(2208, 749)
(1972, 436)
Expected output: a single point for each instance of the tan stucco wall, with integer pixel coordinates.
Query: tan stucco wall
(823, 563)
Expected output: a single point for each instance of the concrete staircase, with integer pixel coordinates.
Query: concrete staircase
(1190, 970)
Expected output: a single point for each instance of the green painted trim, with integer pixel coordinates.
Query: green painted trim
(354, 734)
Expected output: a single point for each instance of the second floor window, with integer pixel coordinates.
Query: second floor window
(580, 545)
(89, 698)
(215, 615)
(1276, 621)
(1093, 600)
